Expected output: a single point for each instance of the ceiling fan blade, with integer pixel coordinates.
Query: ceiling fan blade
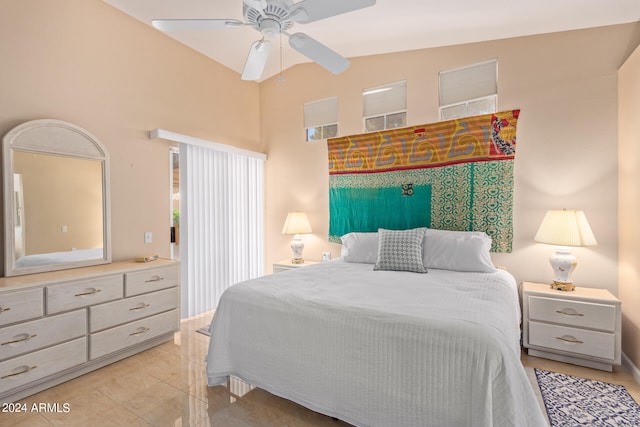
(307, 11)
(195, 24)
(319, 53)
(257, 59)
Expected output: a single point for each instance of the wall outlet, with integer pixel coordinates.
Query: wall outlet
(148, 237)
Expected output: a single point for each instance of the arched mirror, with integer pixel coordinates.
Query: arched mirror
(56, 198)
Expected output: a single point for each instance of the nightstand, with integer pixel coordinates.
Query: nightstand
(582, 327)
(280, 266)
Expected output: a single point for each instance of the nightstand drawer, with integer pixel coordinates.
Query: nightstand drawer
(574, 313)
(573, 340)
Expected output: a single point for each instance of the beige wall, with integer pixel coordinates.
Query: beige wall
(566, 86)
(629, 194)
(85, 62)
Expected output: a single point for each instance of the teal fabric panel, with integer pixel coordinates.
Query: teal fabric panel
(393, 208)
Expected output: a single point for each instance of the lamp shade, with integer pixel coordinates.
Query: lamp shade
(565, 228)
(296, 223)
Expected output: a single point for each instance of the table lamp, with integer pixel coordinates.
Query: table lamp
(296, 223)
(564, 228)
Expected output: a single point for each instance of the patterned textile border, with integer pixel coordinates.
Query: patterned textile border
(574, 401)
(453, 175)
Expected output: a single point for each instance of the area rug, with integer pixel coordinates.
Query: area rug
(204, 330)
(573, 401)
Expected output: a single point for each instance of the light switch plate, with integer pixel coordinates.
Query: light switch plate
(148, 237)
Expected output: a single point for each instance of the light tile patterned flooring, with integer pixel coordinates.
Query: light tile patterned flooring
(167, 386)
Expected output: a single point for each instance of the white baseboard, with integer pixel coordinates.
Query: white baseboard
(627, 363)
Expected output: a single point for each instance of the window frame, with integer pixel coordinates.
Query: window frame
(466, 101)
(385, 115)
(321, 125)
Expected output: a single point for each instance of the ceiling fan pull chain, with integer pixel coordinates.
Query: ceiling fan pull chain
(281, 78)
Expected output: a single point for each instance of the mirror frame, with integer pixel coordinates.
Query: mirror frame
(58, 138)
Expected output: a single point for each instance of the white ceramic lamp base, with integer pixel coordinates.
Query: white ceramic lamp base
(297, 246)
(563, 263)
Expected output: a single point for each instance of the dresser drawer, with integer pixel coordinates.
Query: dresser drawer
(21, 305)
(118, 312)
(121, 337)
(573, 340)
(29, 336)
(31, 367)
(141, 282)
(82, 293)
(575, 313)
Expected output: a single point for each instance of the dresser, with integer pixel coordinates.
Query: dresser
(582, 327)
(59, 325)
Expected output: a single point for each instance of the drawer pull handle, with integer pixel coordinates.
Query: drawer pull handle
(154, 279)
(569, 339)
(142, 331)
(24, 371)
(139, 307)
(91, 292)
(569, 313)
(27, 338)
(2, 309)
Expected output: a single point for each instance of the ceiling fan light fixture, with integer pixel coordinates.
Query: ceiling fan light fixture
(269, 27)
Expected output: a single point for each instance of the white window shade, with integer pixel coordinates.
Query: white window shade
(322, 112)
(385, 99)
(462, 84)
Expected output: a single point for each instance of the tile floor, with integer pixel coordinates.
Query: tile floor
(166, 386)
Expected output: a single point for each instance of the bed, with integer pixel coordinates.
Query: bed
(59, 257)
(379, 347)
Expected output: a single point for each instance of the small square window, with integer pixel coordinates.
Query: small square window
(329, 131)
(397, 120)
(373, 124)
(314, 134)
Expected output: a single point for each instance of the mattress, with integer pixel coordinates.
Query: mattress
(379, 348)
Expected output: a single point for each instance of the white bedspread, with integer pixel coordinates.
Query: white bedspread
(377, 348)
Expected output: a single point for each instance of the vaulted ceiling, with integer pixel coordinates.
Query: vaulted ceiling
(388, 26)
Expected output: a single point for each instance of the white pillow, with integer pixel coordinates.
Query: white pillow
(458, 251)
(360, 247)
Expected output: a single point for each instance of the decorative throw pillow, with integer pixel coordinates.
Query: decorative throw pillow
(458, 251)
(360, 247)
(401, 250)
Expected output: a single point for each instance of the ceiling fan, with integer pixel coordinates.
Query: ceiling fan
(274, 18)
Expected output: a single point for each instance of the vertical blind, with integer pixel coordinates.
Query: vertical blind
(222, 223)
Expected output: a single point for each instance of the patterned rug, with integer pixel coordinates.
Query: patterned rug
(204, 330)
(573, 401)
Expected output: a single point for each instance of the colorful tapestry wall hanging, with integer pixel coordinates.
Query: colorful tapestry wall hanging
(451, 175)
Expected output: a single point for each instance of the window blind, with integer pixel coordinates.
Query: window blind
(222, 223)
(322, 112)
(462, 84)
(385, 99)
